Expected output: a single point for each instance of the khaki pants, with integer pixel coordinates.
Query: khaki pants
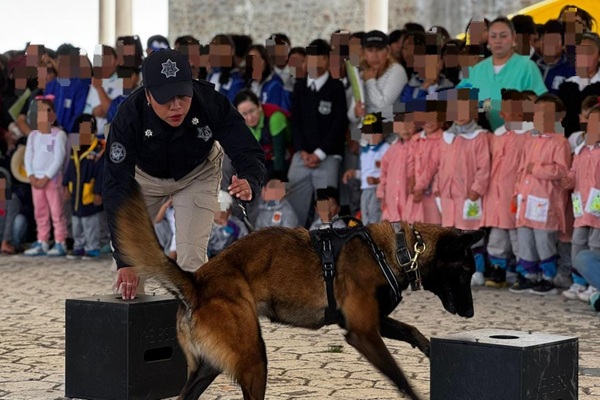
(194, 201)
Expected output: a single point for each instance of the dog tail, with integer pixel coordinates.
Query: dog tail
(139, 247)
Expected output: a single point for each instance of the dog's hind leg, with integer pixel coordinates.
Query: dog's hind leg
(372, 347)
(392, 329)
(198, 381)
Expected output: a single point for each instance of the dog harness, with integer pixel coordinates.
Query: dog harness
(329, 242)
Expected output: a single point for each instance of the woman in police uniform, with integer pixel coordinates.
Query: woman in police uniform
(165, 137)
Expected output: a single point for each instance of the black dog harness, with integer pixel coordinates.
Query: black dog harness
(329, 242)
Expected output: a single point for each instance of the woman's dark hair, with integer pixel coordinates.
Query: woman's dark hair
(504, 21)
(452, 47)
(524, 24)
(241, 44)
(186, 39)
(584, 15)
(245, 95)
(414, 27)
(485, 20)
(222, 39)
(138, 55)
(396, 35)
(267, 69)
(359, 34)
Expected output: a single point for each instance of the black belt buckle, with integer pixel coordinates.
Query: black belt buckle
(328, 262)
(328, 270)
(404, 258)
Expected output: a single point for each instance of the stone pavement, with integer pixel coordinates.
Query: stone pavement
(302, 364)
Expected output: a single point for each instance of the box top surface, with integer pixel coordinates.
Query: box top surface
(116, 299)
(504, 337)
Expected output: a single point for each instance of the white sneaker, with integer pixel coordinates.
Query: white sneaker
(573, 292)
(586, 294)
(477, 279)
(37, 249)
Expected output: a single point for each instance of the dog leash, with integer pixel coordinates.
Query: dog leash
(245, 215)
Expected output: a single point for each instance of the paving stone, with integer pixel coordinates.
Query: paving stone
(303, 364)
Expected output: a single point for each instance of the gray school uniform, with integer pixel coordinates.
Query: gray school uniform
(276, 213)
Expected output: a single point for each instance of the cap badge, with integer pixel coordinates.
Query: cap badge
(169, 69)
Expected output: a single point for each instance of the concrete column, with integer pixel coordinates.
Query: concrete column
(106, 31)
(124, 24)
(376, 15)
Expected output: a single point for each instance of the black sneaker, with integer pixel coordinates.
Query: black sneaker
(497, 278)
(522, 285)
(544, 288)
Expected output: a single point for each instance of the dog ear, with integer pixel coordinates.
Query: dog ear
(475, 236)
(454, 246)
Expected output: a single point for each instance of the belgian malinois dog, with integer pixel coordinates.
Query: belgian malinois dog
(276, 273)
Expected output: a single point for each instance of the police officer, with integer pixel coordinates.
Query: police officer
(167, 136)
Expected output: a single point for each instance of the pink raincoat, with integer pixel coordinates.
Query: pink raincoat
(464, 166)
(393, 181)
(541, 202)
(586, 174)
(507, 148)
(424, 159)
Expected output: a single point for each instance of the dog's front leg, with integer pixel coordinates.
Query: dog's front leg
(392, 329)
(198, 380)
(372, 347)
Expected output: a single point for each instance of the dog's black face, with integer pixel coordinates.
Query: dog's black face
(450, 277)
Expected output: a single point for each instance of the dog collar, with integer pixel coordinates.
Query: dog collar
(409, 263)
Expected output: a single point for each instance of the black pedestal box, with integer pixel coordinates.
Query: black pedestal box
(492, 364)
(123, 350)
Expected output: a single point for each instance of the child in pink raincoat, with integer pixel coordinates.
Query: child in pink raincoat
(584, 179)
(424, 160)
(541, 201)
(508, 148)
(464, 170)
(393, 180)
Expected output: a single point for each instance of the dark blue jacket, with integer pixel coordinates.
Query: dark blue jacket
(233, 86)
(83, 178)
(69, 100)
(272, 92)
(555, 74)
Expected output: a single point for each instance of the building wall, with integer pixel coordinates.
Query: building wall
(304, 20)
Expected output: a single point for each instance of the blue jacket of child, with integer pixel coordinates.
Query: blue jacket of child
(83, 179)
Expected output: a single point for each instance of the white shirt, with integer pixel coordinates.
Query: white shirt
(319, 82)
(45, 153)
(286, 77)
(113, 87)
(382, 93)
(370, 163)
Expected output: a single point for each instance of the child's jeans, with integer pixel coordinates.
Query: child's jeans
(370, 206)
(86, 232)
(47, 205)
(537, 252)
